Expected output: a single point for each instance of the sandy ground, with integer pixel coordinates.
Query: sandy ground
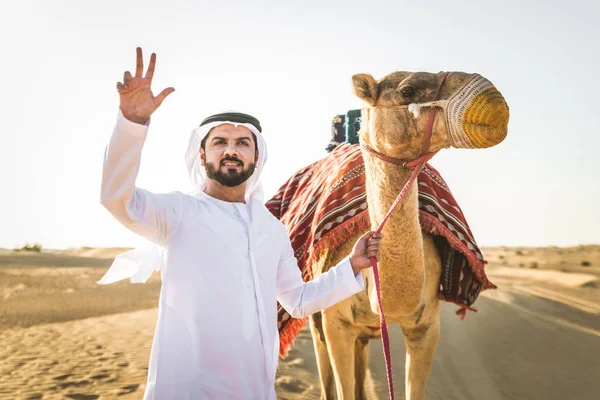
(537, 337)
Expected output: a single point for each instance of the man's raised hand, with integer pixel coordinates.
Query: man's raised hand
(136, 98)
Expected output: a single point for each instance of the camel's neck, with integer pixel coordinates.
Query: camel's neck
(401, 265)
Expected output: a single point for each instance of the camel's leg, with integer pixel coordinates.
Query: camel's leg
(422, 330)
(361, 354)
(421, 342)
(323, 363)
(340, 344)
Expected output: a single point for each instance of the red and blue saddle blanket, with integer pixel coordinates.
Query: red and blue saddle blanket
(325, 203)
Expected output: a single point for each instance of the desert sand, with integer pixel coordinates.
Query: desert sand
(62, 336)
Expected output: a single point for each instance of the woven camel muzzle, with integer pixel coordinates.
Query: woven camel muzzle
(476, 115)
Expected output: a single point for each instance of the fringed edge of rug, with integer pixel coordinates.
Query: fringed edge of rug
(432, 225)
(462, 311)
(289, 334)
(338, 236)
(329, 242)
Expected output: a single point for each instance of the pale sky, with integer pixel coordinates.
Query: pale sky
(290, 64)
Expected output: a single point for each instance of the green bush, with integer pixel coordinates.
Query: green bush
(585, 263)
(36, 247)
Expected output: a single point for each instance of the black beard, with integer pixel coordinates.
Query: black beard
(230, 178)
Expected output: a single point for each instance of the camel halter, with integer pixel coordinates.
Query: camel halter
(416, 165)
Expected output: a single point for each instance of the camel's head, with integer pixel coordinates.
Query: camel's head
(471, 112)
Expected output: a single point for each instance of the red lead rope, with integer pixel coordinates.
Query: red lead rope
(416, 165)
(384, 331)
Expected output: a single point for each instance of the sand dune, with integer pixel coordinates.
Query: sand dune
(104, 357)
(101, 252)
(537, 337)
(53, 287)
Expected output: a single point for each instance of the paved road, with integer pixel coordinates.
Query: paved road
(517, 346)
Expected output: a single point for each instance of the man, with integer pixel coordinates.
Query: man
(225, 260)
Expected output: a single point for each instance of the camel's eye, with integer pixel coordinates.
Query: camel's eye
(407, 91)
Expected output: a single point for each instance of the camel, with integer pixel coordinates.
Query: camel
(409, 264)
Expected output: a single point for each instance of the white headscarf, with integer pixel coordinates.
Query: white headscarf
(197, 172)
(139, 264)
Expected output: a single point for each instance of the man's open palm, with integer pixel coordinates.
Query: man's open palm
(137, 100)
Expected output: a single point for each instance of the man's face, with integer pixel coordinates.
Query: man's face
(229, 155)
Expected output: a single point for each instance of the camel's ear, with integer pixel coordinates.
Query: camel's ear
(365, 87)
